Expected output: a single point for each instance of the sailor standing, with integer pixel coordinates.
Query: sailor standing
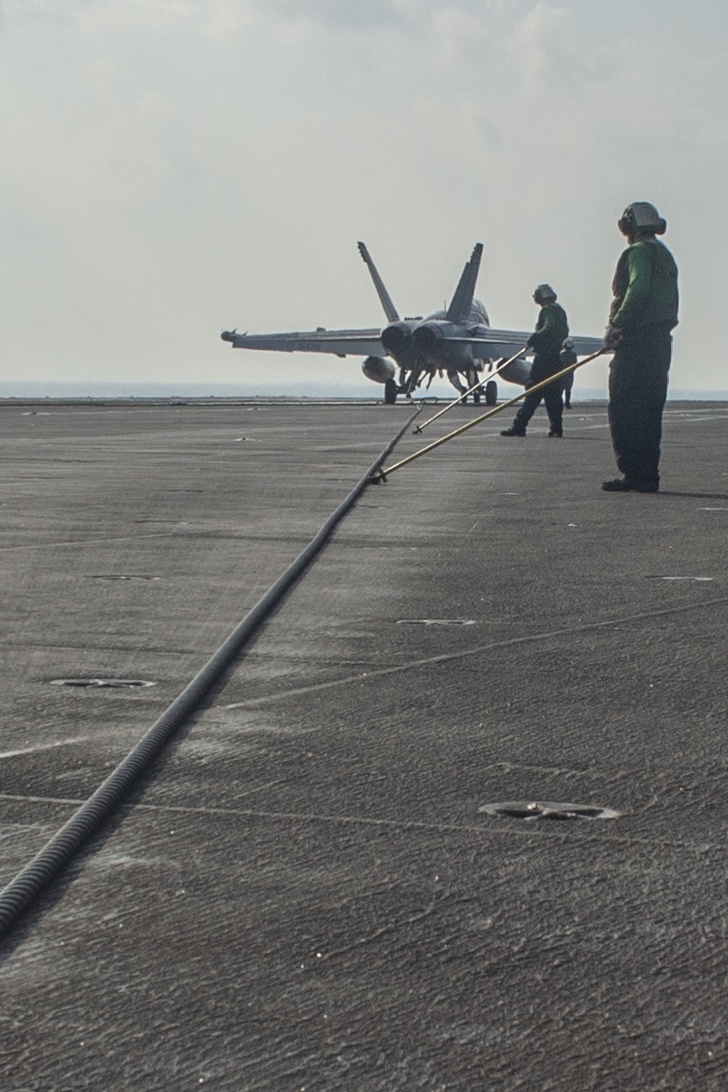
(567, 357)
(641, 318)
(551, 331)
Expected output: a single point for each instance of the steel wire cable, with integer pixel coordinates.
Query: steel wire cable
(38, 875)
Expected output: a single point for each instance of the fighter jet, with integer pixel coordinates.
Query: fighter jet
(458, 342)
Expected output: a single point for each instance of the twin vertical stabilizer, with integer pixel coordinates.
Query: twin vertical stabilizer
(462, 301)
(389, 309)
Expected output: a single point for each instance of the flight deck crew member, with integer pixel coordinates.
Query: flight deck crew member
(547, 340)
(642, 315)
(567, 357)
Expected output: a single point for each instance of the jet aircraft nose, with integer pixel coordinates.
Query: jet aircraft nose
(396, 338)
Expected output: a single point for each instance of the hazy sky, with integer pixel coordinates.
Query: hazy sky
(171, 168)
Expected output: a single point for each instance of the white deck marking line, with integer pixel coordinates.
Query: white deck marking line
(448, 657)
(43, 747)
(85, 542)
(486, 827)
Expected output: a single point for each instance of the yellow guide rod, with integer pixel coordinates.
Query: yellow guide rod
(458, 400)
(384, 473)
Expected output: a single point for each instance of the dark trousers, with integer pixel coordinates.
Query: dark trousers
(551, 395)
(568, 385)
(638, 378)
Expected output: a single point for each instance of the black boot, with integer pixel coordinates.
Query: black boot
(629, 485)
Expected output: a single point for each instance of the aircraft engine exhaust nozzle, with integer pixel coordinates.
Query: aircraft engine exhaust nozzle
(377, 369)
(396, 338)
(425, 338)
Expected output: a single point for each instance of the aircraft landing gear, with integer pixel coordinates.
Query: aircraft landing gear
(454, 377)
(391, 390)
(471, 377)
(491, 392)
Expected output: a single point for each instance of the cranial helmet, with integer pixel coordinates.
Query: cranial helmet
(543, 292)
(641, 216)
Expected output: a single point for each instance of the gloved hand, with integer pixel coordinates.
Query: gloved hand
(613, 337)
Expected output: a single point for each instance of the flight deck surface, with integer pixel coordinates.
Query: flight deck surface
(315, 888)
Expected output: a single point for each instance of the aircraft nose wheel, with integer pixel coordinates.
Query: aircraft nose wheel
(491, 392)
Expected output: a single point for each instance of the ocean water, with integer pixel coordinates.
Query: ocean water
(353, 390)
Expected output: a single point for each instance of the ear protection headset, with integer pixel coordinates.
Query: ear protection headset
(641, 216)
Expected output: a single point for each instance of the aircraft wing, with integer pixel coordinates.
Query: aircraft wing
(505, 342)
(338, 342)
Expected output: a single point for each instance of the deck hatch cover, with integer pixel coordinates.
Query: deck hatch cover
(547, 809)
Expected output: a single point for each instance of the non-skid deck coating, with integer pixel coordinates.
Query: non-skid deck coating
(307, 892)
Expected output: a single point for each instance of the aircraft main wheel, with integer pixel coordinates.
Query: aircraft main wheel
(390, 392)
(491, 392)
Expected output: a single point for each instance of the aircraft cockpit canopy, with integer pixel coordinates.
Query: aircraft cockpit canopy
(480, 308)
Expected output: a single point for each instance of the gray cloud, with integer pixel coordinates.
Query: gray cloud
(344, 14)
(171, 167)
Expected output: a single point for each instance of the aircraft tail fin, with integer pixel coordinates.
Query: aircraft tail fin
(389, 309)
(462, 301)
